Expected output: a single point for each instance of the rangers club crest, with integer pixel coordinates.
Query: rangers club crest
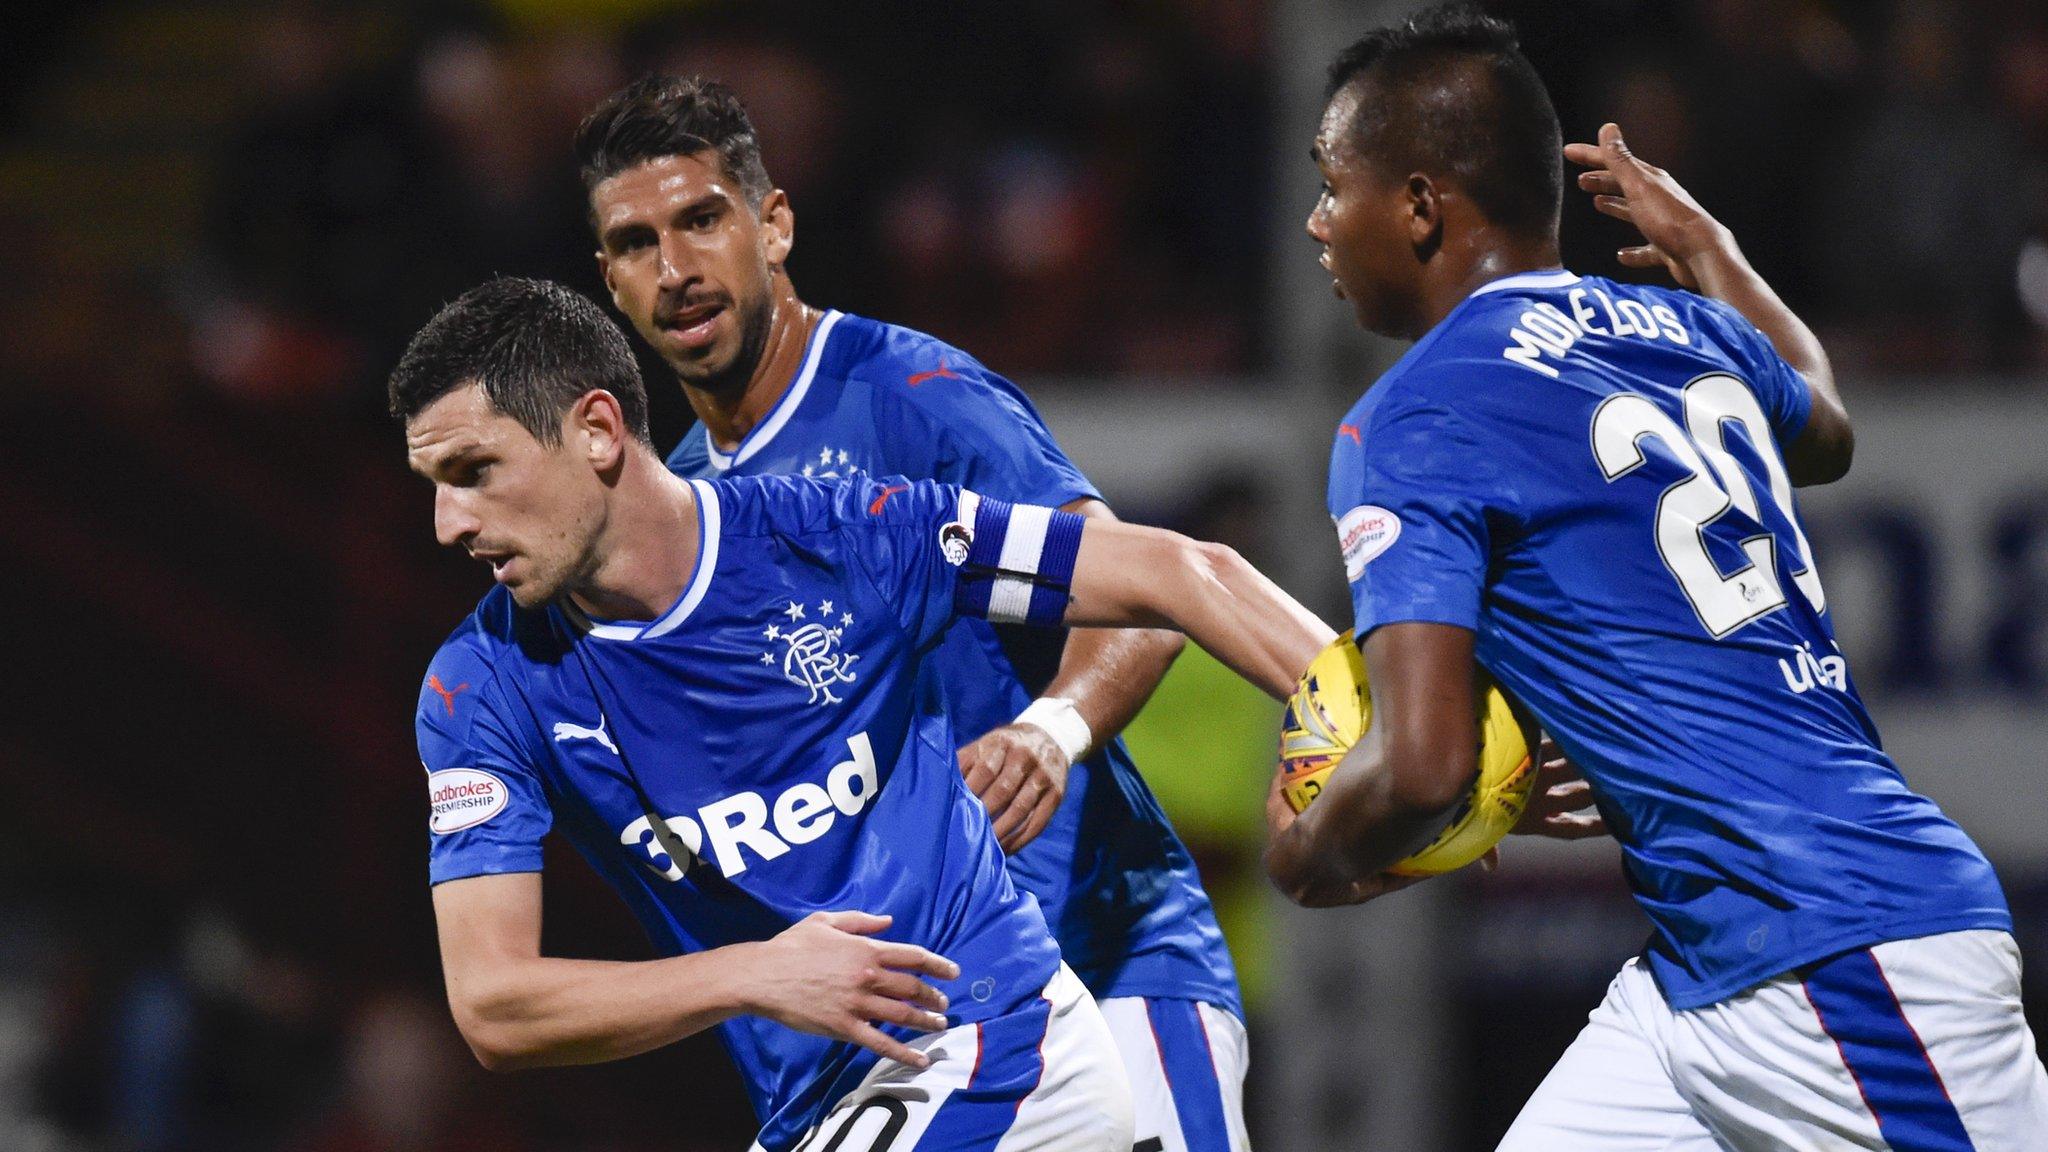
(810, 654)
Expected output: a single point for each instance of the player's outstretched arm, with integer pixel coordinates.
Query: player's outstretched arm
(825, 975)
(1389, 794)
(1701, 254)
(1127, 576)
(1105, 675)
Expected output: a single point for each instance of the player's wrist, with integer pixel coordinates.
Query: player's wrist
(744, 991)
(1711, 252)
(1057, 717)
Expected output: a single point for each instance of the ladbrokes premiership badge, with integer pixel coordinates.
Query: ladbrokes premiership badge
(810, 654)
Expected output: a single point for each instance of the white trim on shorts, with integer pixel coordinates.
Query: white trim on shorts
(1079, 1100)
(1187, 1061)
(1774, 1067)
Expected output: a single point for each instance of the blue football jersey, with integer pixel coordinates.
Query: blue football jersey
(1589, 475)
(1118, 887)
(764, 750)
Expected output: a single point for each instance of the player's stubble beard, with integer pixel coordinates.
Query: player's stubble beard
(583, 556)
(756, 321)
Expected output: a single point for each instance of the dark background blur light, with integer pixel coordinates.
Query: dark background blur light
(220, 221)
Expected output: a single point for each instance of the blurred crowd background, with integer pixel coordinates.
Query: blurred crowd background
(220, 221)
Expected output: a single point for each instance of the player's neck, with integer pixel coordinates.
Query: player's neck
(646, 554)
(1478, 259)
(730, 414)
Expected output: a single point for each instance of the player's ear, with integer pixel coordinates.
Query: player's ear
(1424, 203)
(1425, 211)
(778, 228)
(596, 427)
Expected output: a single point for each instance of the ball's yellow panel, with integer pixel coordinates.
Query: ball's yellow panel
(1329, 712)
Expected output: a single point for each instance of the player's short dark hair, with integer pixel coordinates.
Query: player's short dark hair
(1450, 92)
(535, 347)
(657, 116)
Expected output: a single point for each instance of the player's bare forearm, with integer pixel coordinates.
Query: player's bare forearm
(1702, 254)
(1392, 789)
(1130, 576)
(518, 1009)
(546, 1012)
(1109, 673)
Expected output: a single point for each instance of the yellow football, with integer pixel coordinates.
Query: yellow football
(1329, 712)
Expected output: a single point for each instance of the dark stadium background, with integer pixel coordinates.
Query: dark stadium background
(219, 221)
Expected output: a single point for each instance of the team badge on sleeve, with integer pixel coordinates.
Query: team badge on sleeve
(1364, 533)
(955, 541)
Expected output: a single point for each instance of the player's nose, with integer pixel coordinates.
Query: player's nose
(678, 264)
(453, 521)
(1317, 225)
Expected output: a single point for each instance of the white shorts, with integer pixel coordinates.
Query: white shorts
(1914, 1045)
(1186, 1061)
(1042, 1079)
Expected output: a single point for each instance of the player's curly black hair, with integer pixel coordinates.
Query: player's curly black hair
(535, 346)
(657, 116)
(1450, 92)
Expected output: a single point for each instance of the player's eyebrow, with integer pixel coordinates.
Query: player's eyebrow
(614, 233)
(431, 464)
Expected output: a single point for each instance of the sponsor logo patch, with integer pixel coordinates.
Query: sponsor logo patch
(463, 798)
(1363, 533)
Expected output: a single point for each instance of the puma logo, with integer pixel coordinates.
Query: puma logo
(447, 695)
(565, 731)
(940, 373)
(875, 509)
(1350, 430)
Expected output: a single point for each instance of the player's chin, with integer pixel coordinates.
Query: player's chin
(528, 592)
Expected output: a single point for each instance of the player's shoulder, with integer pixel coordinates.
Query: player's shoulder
(495, 639)
(690, 457)
(917, 373)
(796, 507)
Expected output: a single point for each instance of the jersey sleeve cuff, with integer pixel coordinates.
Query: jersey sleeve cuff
(499, 862)
(1363, 626)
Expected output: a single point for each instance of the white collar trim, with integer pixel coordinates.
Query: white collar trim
(700, 580)
(762, 433)
(1554, 278)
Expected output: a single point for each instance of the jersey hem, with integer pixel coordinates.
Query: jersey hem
(1213, 997)
(514, 867)
(1706, 995)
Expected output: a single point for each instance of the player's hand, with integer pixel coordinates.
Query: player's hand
(1021, 776)
(825, 975)
(1679, 231)
(1359, 891)
(1559, 808)
(1280, 816)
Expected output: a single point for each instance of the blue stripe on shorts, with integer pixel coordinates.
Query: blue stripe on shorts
(1190, 1073)
(1893, 1071)
(1007, 1069)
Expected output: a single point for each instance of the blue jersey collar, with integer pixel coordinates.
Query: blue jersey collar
(693, 594)
(758, 437)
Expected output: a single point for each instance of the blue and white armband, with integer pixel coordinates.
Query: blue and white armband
(1016, 560)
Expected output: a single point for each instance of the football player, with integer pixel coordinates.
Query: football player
(693, 242)
(717, 692)
(1585, 487)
